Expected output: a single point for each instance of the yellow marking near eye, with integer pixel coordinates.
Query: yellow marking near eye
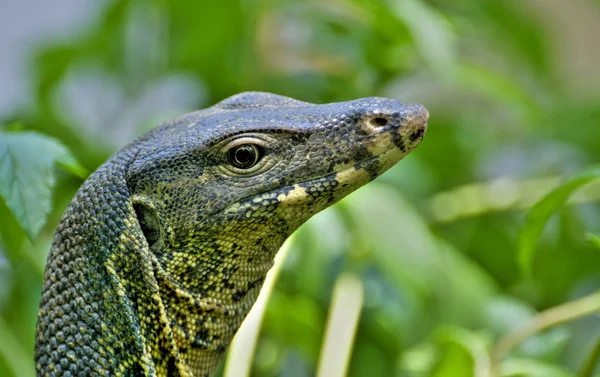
(297, 194)
(354, 176)
(340, 167)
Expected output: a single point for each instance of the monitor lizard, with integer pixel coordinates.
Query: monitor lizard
(163, 250)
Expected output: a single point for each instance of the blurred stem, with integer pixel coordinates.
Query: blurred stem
(344, 316)
(241, 352)
(595, 239)
(590, 363)
(552, 317)
(500, 195)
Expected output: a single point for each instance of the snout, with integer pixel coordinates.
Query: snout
(404, 124)
(386, 113)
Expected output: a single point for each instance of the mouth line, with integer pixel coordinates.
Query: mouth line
(355, 166)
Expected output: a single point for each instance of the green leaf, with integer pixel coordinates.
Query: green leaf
(595, 239)
(27, 175)
(465, 353)
(431, 32)
(541, 212)
(499, 88)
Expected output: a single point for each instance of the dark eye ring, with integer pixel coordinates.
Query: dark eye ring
(245, 156)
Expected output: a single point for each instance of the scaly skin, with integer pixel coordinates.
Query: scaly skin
(165, 247)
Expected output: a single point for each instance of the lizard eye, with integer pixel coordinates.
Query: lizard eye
(245, 156)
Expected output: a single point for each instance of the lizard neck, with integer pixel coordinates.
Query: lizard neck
(207, 287)
(96, 287)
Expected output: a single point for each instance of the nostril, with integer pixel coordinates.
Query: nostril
(379, 122)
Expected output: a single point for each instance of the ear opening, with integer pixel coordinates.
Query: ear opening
(149, 223)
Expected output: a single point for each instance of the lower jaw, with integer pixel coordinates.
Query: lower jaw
(369, 169)
(330, 188)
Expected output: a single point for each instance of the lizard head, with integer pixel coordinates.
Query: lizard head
(262, 158)
(217, 191)
(245, 173)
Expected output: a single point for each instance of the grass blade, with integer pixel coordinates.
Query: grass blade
(344, 315)
(241, 351)
(541, 212)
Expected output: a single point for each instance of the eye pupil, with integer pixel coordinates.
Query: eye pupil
(244, 156)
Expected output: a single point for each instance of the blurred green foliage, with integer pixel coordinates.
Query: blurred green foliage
(436, 241)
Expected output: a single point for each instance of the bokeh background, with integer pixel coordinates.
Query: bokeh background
(433, 250)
